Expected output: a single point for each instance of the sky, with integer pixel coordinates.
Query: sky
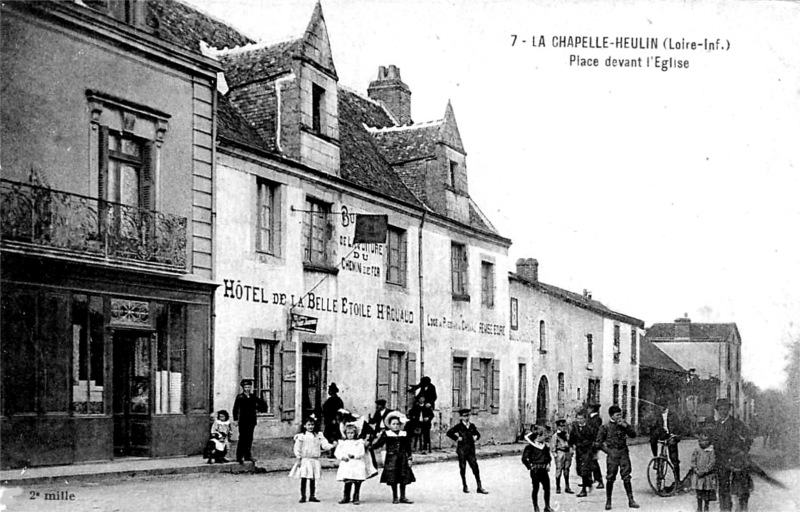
(664, 193)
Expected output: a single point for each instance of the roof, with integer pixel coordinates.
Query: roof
(231, 125)
(650, 356)
(186, 26)
(411, 142)
(576, 299)
(249, 64)
(698, 332)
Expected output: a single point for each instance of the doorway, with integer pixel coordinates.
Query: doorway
(522, 399)
(132, 392)
(313, 379)
(541, 402)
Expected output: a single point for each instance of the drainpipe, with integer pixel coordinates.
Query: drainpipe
(421, 297)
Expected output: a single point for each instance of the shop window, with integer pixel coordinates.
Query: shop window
(264, 370)
(268, 220)
(487, 284)
(88, 355)
(396, 256)
(317, 232)
(458, 259)
(459, 382)
(616, 343)
(170, 352)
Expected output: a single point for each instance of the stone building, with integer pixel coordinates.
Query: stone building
(712, 350)
(107, 236)
(577, 350)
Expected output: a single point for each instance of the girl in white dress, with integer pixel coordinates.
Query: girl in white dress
(308, 447)
(352, 468)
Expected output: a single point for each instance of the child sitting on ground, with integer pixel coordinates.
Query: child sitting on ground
(217, 446)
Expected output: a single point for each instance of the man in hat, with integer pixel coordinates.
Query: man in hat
(731, 440)
(612, 439)
(245, 415)
(562, 454)
(377, 421)
(595, 422)
(667, 427)
(465, 433)
(426, 389)
(329, 411)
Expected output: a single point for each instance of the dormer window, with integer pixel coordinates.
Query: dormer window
(317, 104)
(453, 173)
(132, 12)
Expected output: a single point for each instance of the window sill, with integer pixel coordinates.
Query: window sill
(319, 267)
(542, 351)
(398, 286)
(461, 297)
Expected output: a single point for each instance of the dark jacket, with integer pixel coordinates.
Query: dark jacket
(418, 415)
(246, 408)
(730, 437)
(582, 438)
(534, 458)
(464, 436)
(376, 420)
(613, 437)
(675, 426)
(429, 392)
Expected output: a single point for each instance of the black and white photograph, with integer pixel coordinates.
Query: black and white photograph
(439, 256)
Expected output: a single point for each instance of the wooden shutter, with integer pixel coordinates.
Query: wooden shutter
(495, 386)
(404, 258)
(475, 387)
(382, 390)
(276, 219)
(147, 184)
(102, 162)
(247, 358)
(411, 372)
(288, 381)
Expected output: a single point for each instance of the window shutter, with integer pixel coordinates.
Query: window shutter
(288, 356)
(147, 186)
(102, 160)
(247, 357)
(404, 259)
(475, 387)
(411, 372)
(383, 375)
(495, 386)
(276, 220)
(464, 271)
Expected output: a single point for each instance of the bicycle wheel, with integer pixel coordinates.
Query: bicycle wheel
(661, 476)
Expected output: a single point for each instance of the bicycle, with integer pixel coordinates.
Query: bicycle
(660, 471)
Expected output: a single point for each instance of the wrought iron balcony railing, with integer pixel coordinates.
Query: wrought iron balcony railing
(60, 223)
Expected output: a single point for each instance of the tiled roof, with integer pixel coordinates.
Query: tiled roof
(697, 331)
(186, 26)
(243, 66)
(650, 356)
(232, 126)
(361, 161)
(411, 142)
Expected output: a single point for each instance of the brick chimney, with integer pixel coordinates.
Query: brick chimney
(683, 326)
(528, 269)
(390, 90)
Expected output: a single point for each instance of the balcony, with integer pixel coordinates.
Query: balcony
(41, 220)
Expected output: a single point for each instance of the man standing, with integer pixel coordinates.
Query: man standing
(245, 416)
(582, 437)
(595, 421)
(377, 421)
(330, 411)
(667, 427)
(731, 441)
(612, 439)
(426, 389)
(465, 433)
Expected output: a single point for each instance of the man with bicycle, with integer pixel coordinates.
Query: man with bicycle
(668, 427)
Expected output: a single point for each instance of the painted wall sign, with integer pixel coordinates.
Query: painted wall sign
(361, 258)
(304, 323)
(461, 324)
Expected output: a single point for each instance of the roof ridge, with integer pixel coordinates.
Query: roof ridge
(208, 15)
(252, 47)
(425, 124)
(353, 91)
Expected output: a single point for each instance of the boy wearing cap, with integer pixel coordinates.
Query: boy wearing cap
(595, 421)
(245, 415)
(563, 455)
(612, 439)
(465, 433)
(731, 440)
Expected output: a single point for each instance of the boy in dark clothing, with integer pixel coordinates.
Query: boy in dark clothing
(536, 458)
(596, 422)
(582, 437)
(465, 434)
(612, 439)
(420, 417)
(731, 441)
(245, 415)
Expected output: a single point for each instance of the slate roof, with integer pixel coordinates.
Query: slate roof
(697, 332)
(186, 26)
(244, 65)
(650, 356)
(232, 125)
(409, 142)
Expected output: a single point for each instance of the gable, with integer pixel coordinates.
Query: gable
(316, 46)
(449, 133)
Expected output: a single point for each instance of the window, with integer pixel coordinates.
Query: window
(317, 106)
(542, 336)
(561, 394)
(395, 358)
(728, 360)
(616, 343)
(487, 284)
(317, 231)
(633, 345)
(125, 163)
(264, 372)
(593, 391)
(459, 382)
(485, 378)
(589, 348)
(267, 235)
(578, 395)
(453, 173)
(170, 350)
(458, 253)
(624, 403)
(616, 394)
(396, 256)
(87, 355)
(633, 403)
(396, 370)
(485, 392)
(514, 314)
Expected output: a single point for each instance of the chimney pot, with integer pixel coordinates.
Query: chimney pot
(390, 90)
(528, 269)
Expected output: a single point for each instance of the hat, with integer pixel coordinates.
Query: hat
(561, 421)
(594, 407)
(333, 388)
(722, 402)
(425, 380)
(380, 401)
(395, 414)
(464, 411)
(352, 425)
(614, 409)
(245, 382)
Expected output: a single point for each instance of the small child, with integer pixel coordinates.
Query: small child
(397, 465)
(352, 467)
(308, 447)
(217, 446)
(705, 476)
(563, 455)
(536, 458)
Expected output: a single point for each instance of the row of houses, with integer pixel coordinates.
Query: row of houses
(179, 212)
